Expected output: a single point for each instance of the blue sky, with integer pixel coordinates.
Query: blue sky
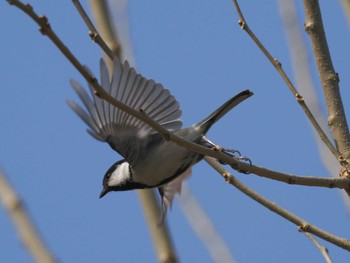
(196, 50)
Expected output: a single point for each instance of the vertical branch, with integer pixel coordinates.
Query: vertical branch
(329, 79)
(25, 227)
(160, 234)
(301, 68)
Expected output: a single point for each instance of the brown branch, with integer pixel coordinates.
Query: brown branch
(25, 227)
(302, 72)
(301, 67)
(106, 26)
(302, 224)
(241, 166)
(322, 249)
(329, 80)
(342, 183)
(95, 36)
(278, 66)
(160, 234)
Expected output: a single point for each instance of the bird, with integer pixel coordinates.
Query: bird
(149, 160)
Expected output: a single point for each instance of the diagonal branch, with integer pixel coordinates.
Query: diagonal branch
(105, 25)
(95, 36)
(278, 66)
(25, 227)
(302, 224)
(322, 249)
(342, 183)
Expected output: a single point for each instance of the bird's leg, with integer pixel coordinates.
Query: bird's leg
(235, 154)
(216, 147)
(231, 152)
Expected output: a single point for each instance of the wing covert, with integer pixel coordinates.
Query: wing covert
(110, 124)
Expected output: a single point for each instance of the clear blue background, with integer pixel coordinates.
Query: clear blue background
(195, 49)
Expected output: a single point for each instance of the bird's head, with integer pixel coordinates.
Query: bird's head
(117, 178)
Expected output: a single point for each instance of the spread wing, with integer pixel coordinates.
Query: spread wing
(121, 130)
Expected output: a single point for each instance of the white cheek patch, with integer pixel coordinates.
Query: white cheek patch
(120, 175)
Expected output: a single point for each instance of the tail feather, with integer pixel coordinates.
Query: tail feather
(222, 110)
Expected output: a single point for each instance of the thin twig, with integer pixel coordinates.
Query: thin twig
(45, 28)
(329, 80)
(323, 250)
(302, 224)
(106, 26)
(278, 66)
(25, 227)
(95, 36)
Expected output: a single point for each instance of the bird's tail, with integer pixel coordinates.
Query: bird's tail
(205, 124)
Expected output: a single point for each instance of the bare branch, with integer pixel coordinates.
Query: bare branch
(302, 224)
(160, 235)
(301, 67)
(95, 36)
(103, 19)
(204, 227)
(323, 250)
(294, 179)
(342, 183)
(25, 227)
(278, 66)
(329, 79)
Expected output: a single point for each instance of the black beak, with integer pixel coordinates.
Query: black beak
(104, 192)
